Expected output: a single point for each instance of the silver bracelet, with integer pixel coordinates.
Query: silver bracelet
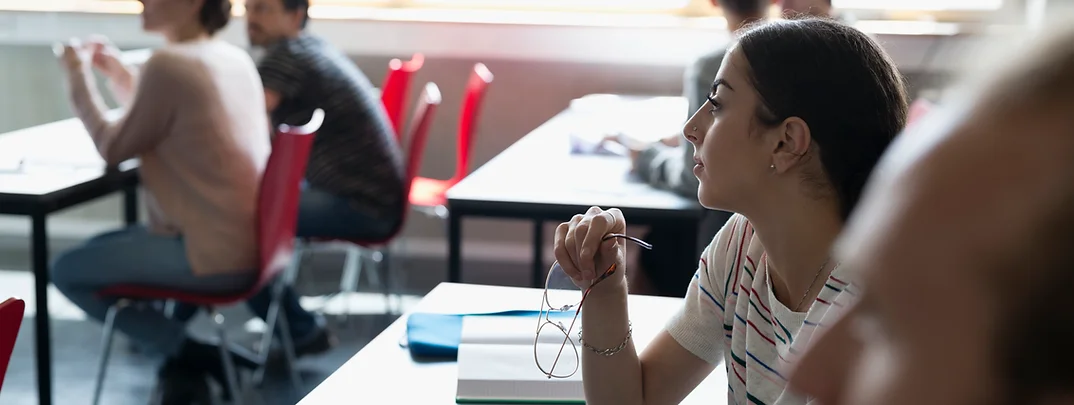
(612, 351)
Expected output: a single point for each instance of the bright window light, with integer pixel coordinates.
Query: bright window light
(923, 5)
(546, 4)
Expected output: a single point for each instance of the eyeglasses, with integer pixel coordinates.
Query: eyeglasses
(561, 300)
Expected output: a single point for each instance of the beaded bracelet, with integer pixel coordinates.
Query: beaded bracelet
(612, 351)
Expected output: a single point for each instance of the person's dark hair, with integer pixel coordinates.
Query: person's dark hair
(745, 7)
(299, 5)
(837, 80)
(215, 15)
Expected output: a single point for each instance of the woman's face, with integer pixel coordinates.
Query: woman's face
(166, 15)
(730, 146)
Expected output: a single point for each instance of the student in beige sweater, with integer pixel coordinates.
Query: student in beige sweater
(195, 118)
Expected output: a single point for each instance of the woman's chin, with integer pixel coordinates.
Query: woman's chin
(709, 200)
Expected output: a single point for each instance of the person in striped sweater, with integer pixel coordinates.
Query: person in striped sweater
(964, 243)
(800, 112)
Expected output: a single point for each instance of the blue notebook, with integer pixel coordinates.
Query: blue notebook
(437, 336)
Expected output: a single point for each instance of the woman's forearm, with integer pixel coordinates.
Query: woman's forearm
(86, 101)
(123, 84)
(615, 379)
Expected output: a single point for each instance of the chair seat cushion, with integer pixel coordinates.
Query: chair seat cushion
(137, 292)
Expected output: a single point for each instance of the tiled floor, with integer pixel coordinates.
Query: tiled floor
(77, 341)
(76, 350)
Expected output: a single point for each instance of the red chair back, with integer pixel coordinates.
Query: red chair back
(393, 92)
(424, 112)
(476, 87)
(11, 312)
(278, 197)
(428, 103)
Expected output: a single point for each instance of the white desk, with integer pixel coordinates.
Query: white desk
(384, 373)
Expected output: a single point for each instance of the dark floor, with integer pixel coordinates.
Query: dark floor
(76, 346)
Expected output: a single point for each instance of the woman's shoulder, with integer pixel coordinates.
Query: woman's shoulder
(177, 59)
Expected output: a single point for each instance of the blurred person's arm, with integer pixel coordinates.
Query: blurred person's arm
(151, 113)
(122, 77)
(669, 167)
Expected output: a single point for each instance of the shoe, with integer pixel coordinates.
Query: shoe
(205, 358)
(319, 341)
(179, 385)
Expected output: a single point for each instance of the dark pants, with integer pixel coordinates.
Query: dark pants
(321, 215)
(672, 262)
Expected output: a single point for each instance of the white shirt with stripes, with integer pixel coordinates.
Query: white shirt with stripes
(731, 314)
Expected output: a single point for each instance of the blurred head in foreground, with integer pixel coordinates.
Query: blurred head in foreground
(964, 243)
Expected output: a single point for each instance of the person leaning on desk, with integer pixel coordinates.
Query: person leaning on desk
(801, 112)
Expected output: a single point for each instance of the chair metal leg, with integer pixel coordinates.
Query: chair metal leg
(270, 325)
(225, 358)
(385, 266)
(352, 269)
(289, 351)
(106, 347)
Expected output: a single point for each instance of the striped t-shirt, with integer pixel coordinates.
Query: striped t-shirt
(355, 154)
(731, 314)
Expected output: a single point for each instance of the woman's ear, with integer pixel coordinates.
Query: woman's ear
(792, 142)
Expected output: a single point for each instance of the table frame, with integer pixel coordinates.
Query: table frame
(538, 213)
(548, 138)
(38, 208)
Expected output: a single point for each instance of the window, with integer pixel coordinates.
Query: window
(920, 5)
(617, 5)
(510, 10)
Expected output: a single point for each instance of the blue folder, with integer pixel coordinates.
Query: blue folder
(437, 336)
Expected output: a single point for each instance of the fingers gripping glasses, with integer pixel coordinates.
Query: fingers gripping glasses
(560, 304)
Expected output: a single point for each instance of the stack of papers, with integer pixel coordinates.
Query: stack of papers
(497, 364)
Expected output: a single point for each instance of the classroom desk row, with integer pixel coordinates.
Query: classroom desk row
(537, 178)
(384, 372)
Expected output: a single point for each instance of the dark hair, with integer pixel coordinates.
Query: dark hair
(744, 7)
(215, 15)
(299, 5)
(837, 80)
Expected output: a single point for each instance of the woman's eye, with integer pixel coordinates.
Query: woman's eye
(714, 106)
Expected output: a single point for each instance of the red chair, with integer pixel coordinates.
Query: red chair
(393, 92)
(355, 250)
(11, 312)
(430, 194)
(277, 216)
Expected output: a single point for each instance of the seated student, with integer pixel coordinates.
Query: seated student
(669, 165)
(203, 147)
(963, 243)
(355, 173)
(800, 113)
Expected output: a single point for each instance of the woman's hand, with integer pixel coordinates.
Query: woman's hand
(106, 59)
(582, 251)
(72, 55)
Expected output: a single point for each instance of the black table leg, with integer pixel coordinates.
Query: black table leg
(454, 247)
(43, 342)
(130, 204)
(538, 254)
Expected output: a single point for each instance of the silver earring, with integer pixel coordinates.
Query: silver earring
(773, 167)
